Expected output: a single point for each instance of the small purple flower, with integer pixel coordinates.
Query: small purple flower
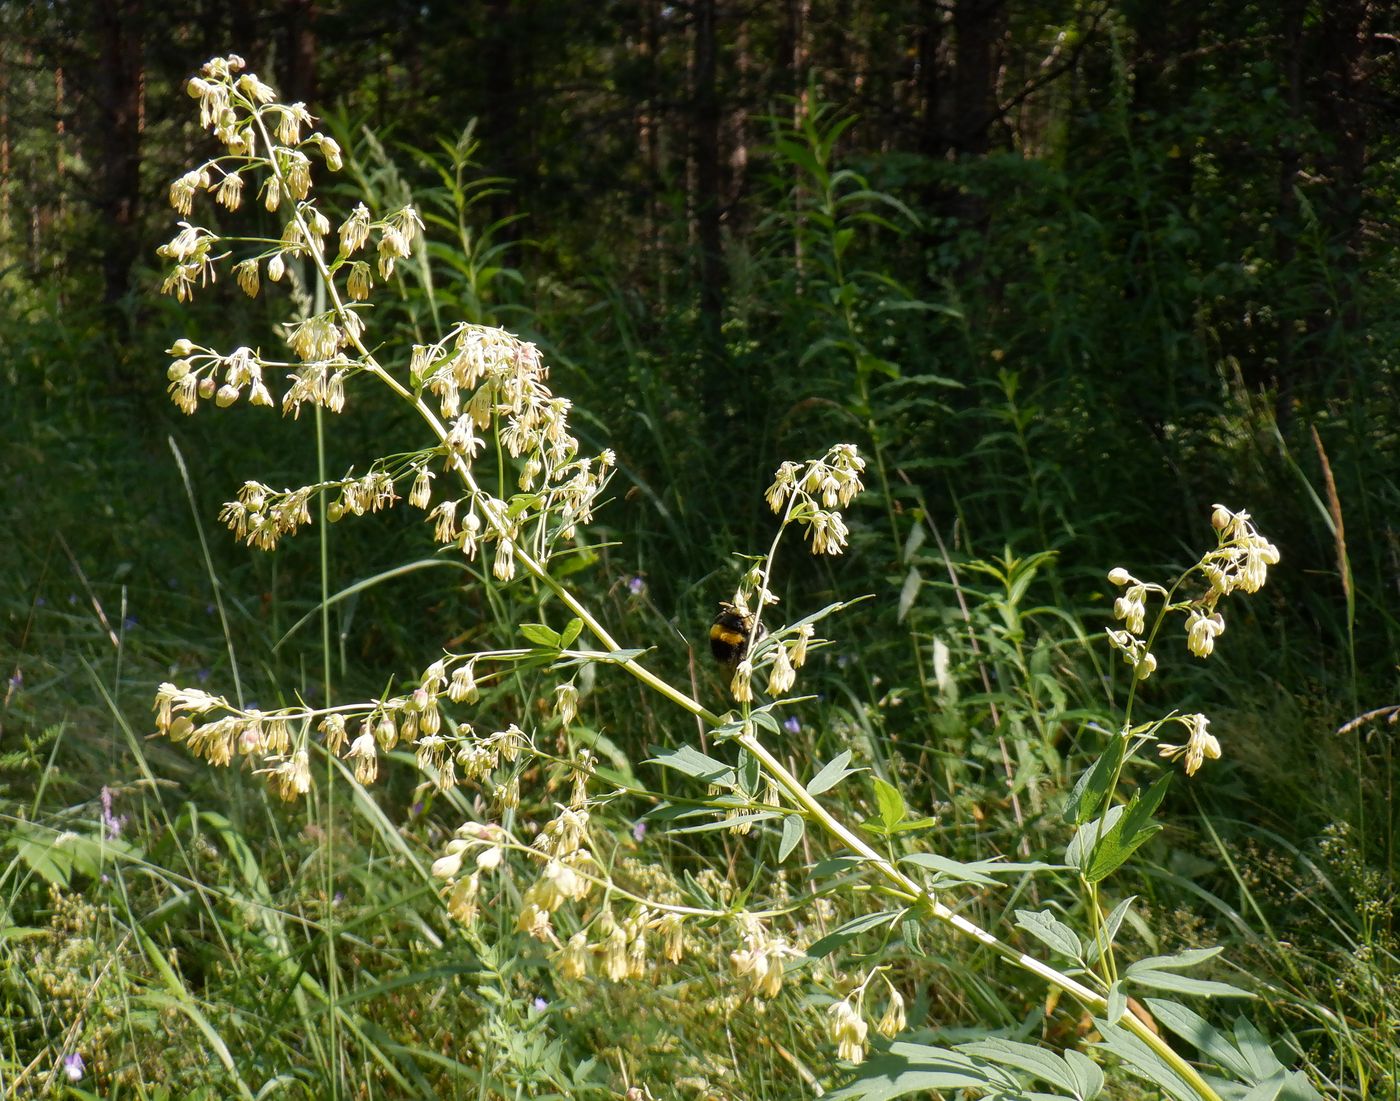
(73, 1066)
(16, 681)
(639, 830)
(111, 823)
(129, 622)
(540, 1005)
(202, 675)
(791, 724)
(637, 585)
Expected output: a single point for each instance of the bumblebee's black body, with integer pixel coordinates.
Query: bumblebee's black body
(729, 635)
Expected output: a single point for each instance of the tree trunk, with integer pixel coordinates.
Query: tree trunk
(706, 203)
(120, 78)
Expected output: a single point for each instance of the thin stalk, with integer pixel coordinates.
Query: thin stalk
(899, 883)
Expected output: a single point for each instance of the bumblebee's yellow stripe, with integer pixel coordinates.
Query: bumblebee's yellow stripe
(730, 637)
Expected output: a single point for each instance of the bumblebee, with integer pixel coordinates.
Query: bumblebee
(730, 634)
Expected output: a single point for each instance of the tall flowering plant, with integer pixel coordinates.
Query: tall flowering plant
(498, 474)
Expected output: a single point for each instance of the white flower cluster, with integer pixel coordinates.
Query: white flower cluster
(265, 138)
(810, 494)
(1241, 560)
(761, 961)
(484, 377)
(1200, 744)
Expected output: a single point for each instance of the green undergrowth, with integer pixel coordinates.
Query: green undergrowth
(188, 935)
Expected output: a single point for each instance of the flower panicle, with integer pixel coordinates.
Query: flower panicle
(1240, 561)
(812, 495)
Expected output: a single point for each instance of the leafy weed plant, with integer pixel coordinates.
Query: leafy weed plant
(501, 478)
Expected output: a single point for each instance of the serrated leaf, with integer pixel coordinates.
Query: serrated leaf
(794, 825)
(1045, 927)
(832, 774)
(889, 801)
(849, 931)
(57, 857)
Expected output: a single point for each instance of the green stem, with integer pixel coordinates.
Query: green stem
(903, 884)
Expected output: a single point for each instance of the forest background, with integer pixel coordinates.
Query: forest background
(1073, 271)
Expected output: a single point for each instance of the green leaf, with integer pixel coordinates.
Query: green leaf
(1091, 789)
(1202, 1035)
(613, 657)
(1108, 932)
(917, 1068)
(1124, 835)
(915, 824)
(1255, 1047)
(909, 591)
(1043, 1064)
(1088, 1075)
(975, 871)
(1117, 1002)
(1144, 1061)
(889, 801)
(571, 631)
(1047, 928)
(834, 772)
(726, 823)
(541, 635)
(1081, 845)
(1283, 1086)
(1192, 957)
(850, 930)
(836, 865)
(1184, 984)
(57, 857)
(694, 763)
(750, 773)
(794, 825)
